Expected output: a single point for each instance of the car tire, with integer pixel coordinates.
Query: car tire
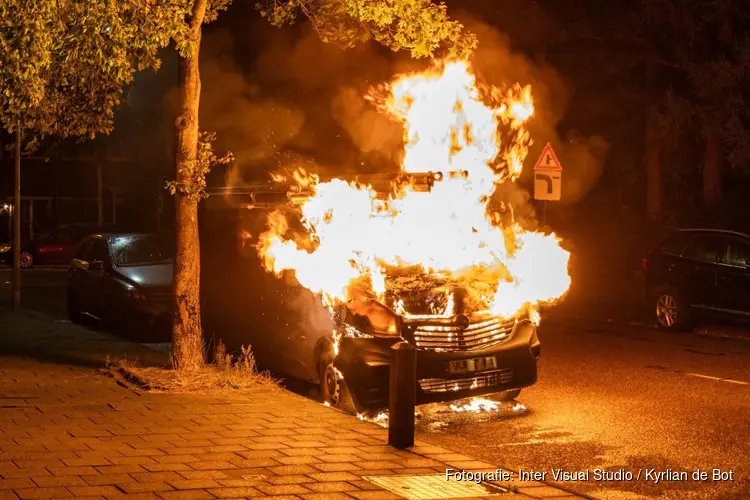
(670, 310)
(507, 395)
(333, 388)
(27, 260)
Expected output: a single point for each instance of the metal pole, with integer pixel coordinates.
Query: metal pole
(17, 223)
(402, 395)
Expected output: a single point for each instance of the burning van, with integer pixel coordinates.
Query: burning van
(326, 274)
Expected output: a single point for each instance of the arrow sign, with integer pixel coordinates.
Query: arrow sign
(548, 176)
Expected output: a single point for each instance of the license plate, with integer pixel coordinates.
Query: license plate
(472, 365)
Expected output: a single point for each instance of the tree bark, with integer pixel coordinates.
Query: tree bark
(712, 171)
(17, 223)
(654, 183)
(187, 337)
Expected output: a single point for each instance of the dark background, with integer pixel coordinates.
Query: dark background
(616, 84)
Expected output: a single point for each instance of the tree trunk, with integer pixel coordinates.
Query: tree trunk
(17, 223)
(712, 170)
(654, 184)
(187, 337)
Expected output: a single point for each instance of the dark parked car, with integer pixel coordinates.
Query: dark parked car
(462, 354)
(123, 281)
(698, 272)
(53, 247)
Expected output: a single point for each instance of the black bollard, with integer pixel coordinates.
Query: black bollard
(402, 395)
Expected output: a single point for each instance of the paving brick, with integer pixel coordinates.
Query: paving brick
(374, 495)
(118, 469)
(11, 472)
(377, 464)
(203, 474)
(144, 487)
(81, 491)
(186, 495)
(364, 485)
(56, 492)
(17, 482)
(336, 467)
(151, 477)
(341, 457)
(333, 476)
(175, 459)
(211, 465)
(157, 467)
(292, 479)
(72, 471)
(50, 481)
(333, 487)
(240, 483)
(235, 492)
(194, 484)
(326, 496)
(301, 459)
(105, 479)
(283, 489)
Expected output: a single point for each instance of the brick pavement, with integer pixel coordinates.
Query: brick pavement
(67, 431)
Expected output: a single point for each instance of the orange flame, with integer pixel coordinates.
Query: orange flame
(448, 127)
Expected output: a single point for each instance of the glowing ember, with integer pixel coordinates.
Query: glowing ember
(472, 140)
(476, 405)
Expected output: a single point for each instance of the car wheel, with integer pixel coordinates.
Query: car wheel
(507, 395)
(672, 313)
(27, 260)
(333, 388)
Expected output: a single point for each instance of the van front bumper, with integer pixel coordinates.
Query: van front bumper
(365, 364)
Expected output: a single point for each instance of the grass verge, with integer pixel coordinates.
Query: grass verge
(225, 373)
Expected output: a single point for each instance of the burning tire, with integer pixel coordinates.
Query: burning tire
(671, 311)
(333, 388)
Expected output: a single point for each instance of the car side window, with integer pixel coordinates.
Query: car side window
(83, 250)
(99, 252)
(676, 242)
(738, 253)
(706, 248)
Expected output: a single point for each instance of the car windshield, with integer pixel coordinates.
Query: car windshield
(140, 250)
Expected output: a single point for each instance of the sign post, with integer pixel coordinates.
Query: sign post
(547, 178)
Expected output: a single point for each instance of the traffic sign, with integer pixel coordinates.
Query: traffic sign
(548, 160)
(548, 176)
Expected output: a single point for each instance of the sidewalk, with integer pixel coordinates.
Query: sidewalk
(67, 431)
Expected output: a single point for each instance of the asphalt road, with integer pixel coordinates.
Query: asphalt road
(614, 397)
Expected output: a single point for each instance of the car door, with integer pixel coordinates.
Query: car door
(701, 261)
(733, 276)
(79, 291)
(99, 279)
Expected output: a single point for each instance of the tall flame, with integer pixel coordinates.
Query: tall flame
(448, 127)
